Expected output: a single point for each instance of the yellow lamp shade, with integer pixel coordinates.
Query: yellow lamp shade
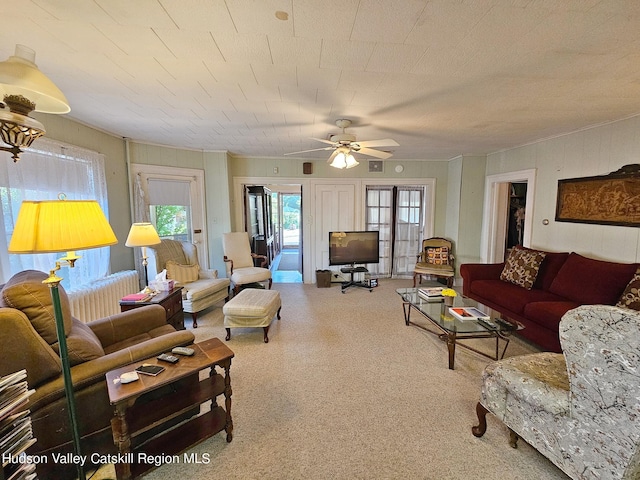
(51, 226)
(142, 235)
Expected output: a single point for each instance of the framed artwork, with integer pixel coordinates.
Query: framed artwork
(612, 199)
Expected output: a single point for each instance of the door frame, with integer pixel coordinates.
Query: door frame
(492, 243)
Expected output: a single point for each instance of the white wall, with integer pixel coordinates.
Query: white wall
(595, 151)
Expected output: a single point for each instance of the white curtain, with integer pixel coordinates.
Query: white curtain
(44, 171)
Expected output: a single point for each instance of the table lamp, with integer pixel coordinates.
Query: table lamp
(143, 235)
(52, 226)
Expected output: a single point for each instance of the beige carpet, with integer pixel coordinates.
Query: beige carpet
(344, 390)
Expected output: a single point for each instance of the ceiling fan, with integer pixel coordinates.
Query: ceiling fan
(345, 143)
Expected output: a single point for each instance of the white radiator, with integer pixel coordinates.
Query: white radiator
(101, 298)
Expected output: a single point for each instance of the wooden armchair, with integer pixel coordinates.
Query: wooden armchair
(240, 261)
(435, 259)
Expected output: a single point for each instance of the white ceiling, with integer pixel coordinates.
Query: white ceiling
(441, 77)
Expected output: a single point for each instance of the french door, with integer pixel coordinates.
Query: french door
(398, 213)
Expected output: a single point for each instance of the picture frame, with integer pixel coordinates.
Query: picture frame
(612, 199)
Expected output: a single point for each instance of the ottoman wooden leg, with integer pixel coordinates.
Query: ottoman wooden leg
(228, 334)
(266, 337)
(194, 315)
(279, 313)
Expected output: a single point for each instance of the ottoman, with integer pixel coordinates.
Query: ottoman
(251, 308)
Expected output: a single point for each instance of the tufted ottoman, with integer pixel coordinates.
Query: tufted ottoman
(251, 308)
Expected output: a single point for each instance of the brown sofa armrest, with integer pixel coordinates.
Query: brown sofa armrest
(471, 272)
(119, 327)
(24, 348)
(93, 371)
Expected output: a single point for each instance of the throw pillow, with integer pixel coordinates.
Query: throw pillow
(631, 296)
(437, 255)
(182, 273)
(522, 266)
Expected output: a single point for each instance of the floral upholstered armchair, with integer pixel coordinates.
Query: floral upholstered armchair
(579, 408)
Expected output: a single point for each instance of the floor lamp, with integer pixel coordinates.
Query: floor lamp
(143, 235)
(54, 226)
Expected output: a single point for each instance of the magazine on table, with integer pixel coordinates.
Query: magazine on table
(433, 292)
(468, 313)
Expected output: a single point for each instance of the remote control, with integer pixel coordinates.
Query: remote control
(183, 351)
(488, 323)
(505, 324)
(165, 357)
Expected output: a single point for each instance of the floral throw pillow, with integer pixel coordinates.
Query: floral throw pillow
(522, 266)
(437, 255)
(631, 296)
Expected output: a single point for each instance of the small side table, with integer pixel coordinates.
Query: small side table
(171, 301)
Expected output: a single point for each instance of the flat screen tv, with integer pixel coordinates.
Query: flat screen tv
(350, 248)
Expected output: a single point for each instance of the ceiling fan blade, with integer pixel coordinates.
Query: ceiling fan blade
(312, 150)
(328, 142)
(384, 142)
(375, 153)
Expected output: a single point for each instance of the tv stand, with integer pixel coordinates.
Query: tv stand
(351, 270)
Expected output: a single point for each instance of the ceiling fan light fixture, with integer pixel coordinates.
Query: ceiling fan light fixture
(339, 161)
(351, 161)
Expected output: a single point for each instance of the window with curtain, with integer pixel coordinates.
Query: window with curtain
(44, 171)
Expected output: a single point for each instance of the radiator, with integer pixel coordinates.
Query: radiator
(100, 298)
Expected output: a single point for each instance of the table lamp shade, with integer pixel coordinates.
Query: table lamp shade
(142, 235)
(50, 226)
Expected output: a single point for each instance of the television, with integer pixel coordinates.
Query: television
(350, 248)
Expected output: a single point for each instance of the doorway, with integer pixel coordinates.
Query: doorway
(497, 202)
(288, 268)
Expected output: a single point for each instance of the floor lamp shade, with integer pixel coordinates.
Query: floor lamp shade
(51, 226)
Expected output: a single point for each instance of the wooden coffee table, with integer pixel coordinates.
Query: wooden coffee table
(144, 409)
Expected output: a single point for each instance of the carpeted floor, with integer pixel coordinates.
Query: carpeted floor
(344, 390)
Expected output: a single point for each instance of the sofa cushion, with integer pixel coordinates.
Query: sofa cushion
(182, 273)
(508, 295)
(82, 344)
(26, 292)
(204, 287)
(522, 266)
(631, 296)
(548, 313)
(549, 268)
(588, 281)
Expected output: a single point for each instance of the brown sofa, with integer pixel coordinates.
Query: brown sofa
(562, 282)
(29, 341)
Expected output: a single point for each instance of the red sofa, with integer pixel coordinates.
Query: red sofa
(564, 281)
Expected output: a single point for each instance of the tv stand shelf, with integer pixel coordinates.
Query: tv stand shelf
(351, 270)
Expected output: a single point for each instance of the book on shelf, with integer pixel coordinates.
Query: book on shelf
(433, 292)
(468, 313)
(136, 297)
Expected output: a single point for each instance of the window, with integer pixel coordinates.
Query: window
(44, 171)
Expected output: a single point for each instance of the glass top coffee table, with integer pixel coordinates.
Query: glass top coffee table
(451, 329)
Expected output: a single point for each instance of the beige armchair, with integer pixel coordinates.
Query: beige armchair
(201, 288)
(29, 341)
(435, 259)
(240, 261)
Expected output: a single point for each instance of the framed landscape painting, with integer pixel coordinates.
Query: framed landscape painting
(612, 199)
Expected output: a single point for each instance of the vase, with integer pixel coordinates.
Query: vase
(448, 301)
